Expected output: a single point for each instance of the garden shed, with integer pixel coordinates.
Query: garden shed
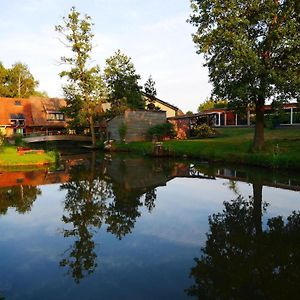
(134, 124)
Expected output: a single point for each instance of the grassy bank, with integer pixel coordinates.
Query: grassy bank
(233, 145)
(10, 157)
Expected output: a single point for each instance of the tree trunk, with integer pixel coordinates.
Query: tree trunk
(257, 207)
(259, 138)
(92, 131)
(19, 86)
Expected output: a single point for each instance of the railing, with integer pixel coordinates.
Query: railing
(55, 135)
(52, 132)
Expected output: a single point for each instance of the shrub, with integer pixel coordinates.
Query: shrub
(204, 131)
(162, 131)
(18, 140)
(122, 132)
(2, 138)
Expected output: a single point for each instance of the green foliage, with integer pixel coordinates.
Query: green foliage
(189, 113)
(85, 90)
(17, 81)
(252, 50)
(210, 104)
(122, 131)
(149, 87)
(122, 82)
(41, 94)
(150, 92)
(204, 131)
(18, 138)
(161, 130)
(3, 81)
(2, 138)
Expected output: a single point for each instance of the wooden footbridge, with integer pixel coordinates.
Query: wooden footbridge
(55, 136)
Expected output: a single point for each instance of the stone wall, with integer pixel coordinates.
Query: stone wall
(137, 123)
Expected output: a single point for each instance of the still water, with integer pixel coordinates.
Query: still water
(129, 228)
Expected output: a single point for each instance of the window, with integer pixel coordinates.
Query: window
(17, 119)
(55, 117)
(17, 102)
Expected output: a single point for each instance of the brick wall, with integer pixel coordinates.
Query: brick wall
(137, 122)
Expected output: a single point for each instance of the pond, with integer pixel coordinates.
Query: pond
(123, 227)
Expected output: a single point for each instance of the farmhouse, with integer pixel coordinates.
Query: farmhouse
(24, 116)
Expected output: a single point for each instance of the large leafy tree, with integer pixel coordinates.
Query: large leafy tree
(21, 82)
(122, 82)
(3, 80)
(17, 81)
(85, 90)
(252, 50)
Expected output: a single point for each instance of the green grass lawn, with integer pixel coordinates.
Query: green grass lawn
(10, 157)
(282, 147)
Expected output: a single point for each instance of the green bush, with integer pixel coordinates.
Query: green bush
(2, 139)
(204, 131)
(122, 132)
(18, 139)
(161, 131)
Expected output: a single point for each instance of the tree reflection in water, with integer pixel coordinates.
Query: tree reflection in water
(242, 261)
(19, 197)
(150, 198)
(85, 207)
(93, 198)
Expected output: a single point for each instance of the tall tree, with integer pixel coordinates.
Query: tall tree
(122, 81)
(85, 90)
(149, 87)
(21, 82)
(17, 81)
(252, 50)
(3, 80)
(150, 90)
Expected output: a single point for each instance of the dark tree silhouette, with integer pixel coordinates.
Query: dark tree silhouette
(150, 198)
(19, 197)
(242, 261)
(123, 211)
(85, 204)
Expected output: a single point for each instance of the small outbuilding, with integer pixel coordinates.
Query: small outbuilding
(133, 125)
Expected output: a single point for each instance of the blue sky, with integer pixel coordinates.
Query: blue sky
(153, 33)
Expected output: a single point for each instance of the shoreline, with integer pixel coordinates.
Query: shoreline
(275, 156)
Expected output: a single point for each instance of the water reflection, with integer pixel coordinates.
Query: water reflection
(112, 193)
(19, 197)
(85, 210)
(107, 194)
(242, 260)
